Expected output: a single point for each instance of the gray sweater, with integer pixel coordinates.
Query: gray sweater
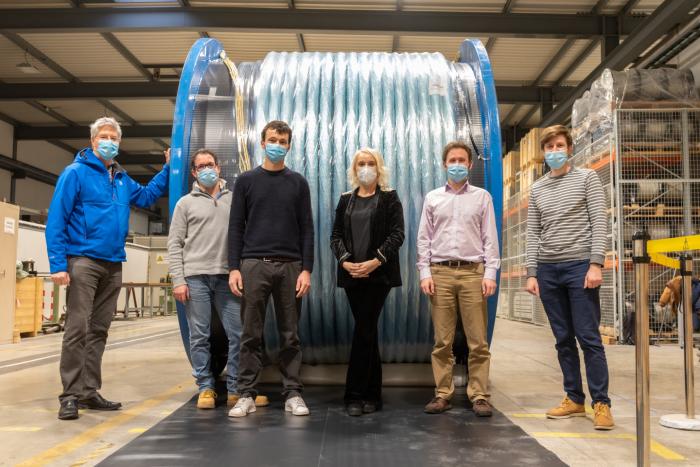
(566, 219)
(198, 239)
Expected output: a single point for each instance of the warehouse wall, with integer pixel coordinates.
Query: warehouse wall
(6, 139)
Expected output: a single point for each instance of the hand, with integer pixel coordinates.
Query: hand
(594, 277)
(181, 293)
(532, 287)
(166, 153)
(488, 287)
(61, 278)
(366, 268)
(235, 282)
(303, 283)
(428, 286)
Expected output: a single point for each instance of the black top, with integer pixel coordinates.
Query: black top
(386, 235)
(271, 217)
(359, 220)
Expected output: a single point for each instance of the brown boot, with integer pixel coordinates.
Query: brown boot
(260, 400)
(437, 405)
(206, 399)
(602, 418)
(482, 408)
(566, 409)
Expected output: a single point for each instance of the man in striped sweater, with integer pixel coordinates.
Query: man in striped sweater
(566, 229)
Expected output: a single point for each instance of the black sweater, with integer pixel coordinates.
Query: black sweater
(386, 238)
(271, 217)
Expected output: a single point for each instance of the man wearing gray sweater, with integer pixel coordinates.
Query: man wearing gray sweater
(198, 263)
(566, 230)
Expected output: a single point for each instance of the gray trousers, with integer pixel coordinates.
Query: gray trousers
(260, 280)
(91, 303)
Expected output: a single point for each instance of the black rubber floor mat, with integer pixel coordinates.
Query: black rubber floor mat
(399, 435)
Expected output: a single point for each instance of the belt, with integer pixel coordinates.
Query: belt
(455, 263)
(278, 259)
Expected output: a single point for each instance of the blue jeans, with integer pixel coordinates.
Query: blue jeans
(574, 314)
(209, 292)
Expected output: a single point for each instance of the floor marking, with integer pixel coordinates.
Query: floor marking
(89, 435)
(138, 430)
(99, 452)
(656, 447)
(19, 429)
(46, 357)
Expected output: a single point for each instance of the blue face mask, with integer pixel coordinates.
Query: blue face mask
(108, 149)
(457, 172)
(556, 159)
(275, 152)
(207, 177)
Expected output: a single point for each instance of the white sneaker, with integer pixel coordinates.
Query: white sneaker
(296, 405)
(243, 407)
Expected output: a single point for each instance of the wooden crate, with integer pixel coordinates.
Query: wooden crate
(530, 151)
(529, 174)
(28, 309)
(511, 164)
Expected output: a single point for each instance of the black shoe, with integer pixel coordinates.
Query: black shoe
(68, 410)
(371, 407)
(354, 409)
(97, 402)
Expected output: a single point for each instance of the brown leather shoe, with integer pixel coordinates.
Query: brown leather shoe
(437, 405)
(482, 408)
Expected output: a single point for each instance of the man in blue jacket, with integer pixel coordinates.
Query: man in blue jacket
(85, 235)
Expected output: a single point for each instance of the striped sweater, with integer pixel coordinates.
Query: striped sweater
(566, 219)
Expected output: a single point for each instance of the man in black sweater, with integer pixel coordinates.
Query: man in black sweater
(271, 252)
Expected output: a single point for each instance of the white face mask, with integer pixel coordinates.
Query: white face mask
(367, 175)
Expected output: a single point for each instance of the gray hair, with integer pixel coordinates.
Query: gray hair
(105, 121)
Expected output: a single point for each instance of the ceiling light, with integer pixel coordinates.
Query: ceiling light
(28, 68)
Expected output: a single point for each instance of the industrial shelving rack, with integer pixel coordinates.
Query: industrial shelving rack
(648, 159)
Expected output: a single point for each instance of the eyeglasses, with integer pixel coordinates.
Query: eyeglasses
(210, 165)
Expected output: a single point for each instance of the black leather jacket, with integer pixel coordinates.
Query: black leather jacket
(386, 237)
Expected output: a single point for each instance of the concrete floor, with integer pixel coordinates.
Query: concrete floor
(146, 369)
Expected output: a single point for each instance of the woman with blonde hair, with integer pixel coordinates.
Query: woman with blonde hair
(367, 234)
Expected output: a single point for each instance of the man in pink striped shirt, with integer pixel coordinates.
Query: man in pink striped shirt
(458, 258)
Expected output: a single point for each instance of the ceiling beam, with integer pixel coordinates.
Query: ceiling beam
(26, 170)
(50, 112)
(492, 40)
(73, 132)
(39, 55)
(127, 55)
(143, 90)
(105, 90)
(60, 144)
(666, 16)
(307, 20)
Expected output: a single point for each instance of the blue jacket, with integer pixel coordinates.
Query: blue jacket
(89, 214)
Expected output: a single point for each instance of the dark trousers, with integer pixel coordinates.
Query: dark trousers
(260, 280)
(574, 314)
(91, 303)
(364, 377)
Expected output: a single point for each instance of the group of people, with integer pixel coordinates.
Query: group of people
(229, 251)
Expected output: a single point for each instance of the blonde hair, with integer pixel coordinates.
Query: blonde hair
(382, 174)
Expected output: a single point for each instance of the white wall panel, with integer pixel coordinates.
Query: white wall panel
(33, 194)
(6, 138)
(43, 155)
(5, 180)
